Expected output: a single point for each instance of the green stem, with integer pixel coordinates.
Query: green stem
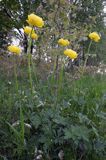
(54, 71)
(86, 57)
(15, 74)
(29, 70)
(60, 84)
(34, 71)
(29, 60)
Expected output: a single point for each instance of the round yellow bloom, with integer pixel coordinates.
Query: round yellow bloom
(94, 36)
(35, 20)
(63, 42)
(14, 49)
(28, 30)
(70, 53)
(34, 36)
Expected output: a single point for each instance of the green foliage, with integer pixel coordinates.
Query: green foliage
(73, 119)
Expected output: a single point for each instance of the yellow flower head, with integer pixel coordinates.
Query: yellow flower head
(35, 20)
(34, 36)
(94, 36)
(14, 49)
(28, 30)
(63, 42)
(70, 53)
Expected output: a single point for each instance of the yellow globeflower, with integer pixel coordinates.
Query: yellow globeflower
(35, 20)
(14, 49)
(70, 53)
(94, 36)
(28, 30)
(34, 36)
(63, 42)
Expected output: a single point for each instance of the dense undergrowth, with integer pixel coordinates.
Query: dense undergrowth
(60, 114)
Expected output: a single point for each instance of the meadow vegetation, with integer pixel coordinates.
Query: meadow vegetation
(53, 84)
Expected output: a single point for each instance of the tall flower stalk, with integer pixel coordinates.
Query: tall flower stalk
(34, 21)
(29, 60)
(94, 36)
(85, 62)
(16, 51)
(15, 74)
(60, 84)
